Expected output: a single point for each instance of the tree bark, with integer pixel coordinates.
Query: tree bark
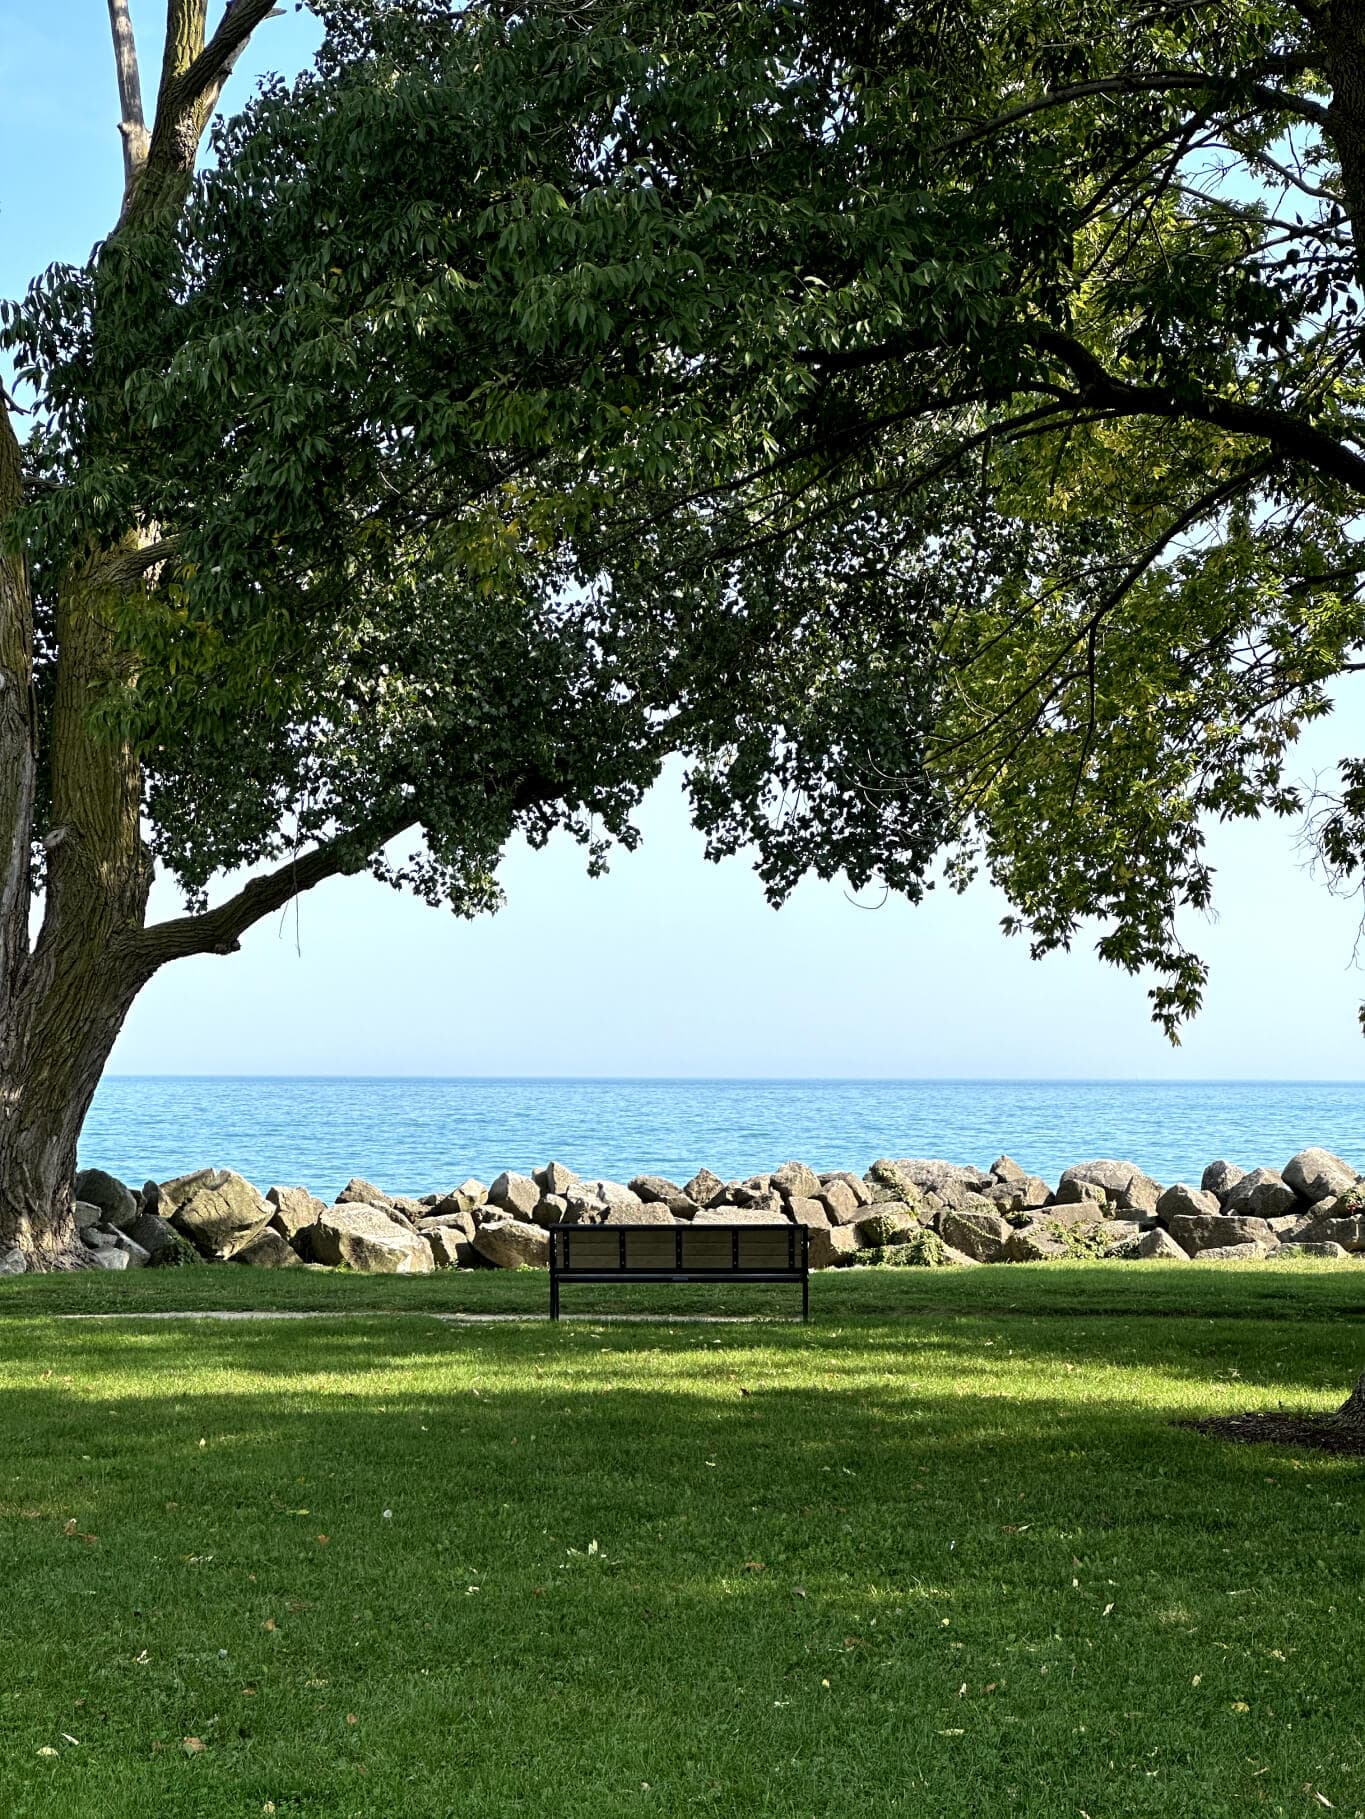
(1352, 1410)
(1341, 27)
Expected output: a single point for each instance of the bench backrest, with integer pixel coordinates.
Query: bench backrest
(723, 1249)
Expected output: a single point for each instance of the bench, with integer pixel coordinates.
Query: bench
(679, 1253)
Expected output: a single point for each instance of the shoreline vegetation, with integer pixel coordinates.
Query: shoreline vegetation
(911, 1212)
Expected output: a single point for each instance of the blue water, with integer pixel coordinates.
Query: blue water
(414, 1136)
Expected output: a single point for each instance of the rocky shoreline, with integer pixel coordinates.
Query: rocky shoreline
(908, 1213)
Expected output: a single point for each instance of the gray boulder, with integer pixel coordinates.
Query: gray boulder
(1310, 1248)
(459, 1225)
(740, 1215)
(931, 1175)
(1159, 1243)
(885, 1224)
(1199, 1232)
(1006, 1169)
(512, 1244)
(86, 1214)
(808, 1211)
(111, 1258)
(1348, 1233)
(641, 1212)
(704, 1188)
(1123, 1183)
(1080, 1193)
(554, 1178)
(979, 1235)
(841, 1242)
(840, 1202)
(450, 1248)
(1263, 1194)
(216, 1210)
(764, 1200)
(359, 1192)
(1220, 1178)
(794, 1181)
(101, 1237)
(655, 1187)
(1033, 1244)
(855, 1183)
(294, 1208)
(117, 1203)
(138, 1257)
(1232, 1253)
(515, 1194)
(1316, 1174)
(271, 1251)
(1023, 1196)
(366, 1238)
(551, 1209)
(1190, 1202)
(13, 1262)
(154, 1234)
(1118, 1236)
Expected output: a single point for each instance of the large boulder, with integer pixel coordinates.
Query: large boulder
(704, 1187)
(740, 1215)
(1159, 1243)
(450, 1248)
(930, 1175)
(271, 1251)
(1199, 1232)
(1220, 1178)
(294, 1208)
(514, 1194)
(794, 1181)
(1034, 1244)
(359, 1192)
(655, 1187)
(1263, 1194)
(110, 1259)
(1348, 1233)
(646, 1212)
(138, 1258)
(117, 1203)
(1232, 1253)
(1123, 1183)
(841, 1202)
(1005, 1168)
(887, 1223)
(855, 1183)
(215, 1209)
(366, 1238)
(1316, 1174)
(86, 1213)
(1309, 1248)
(554, 1178)
(155, 1235)
(512, 1244)
(1188, 1202)
(1023, 1196)
(1080, 1193)
(810, 1212)
(551, 1209)
(979, 1235)
(459, 1225)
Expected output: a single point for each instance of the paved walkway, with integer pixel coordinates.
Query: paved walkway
(421, 1313)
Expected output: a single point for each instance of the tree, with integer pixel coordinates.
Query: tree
(940, 423)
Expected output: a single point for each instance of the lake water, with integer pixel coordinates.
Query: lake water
(414, 1136)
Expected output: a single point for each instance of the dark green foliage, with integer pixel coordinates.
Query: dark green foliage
(916, 1250)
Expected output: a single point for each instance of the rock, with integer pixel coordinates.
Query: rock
(216, 1210)
(110, 1259)
(554, 1178)
(1348, 1233)
(294, 1208)
(646, 1212)
(1034, 1244)
(1007, 1171)
(921, 1249)
(551, 1209)
(1262, 1194)
(1117, 1236)
(1023, 1196)
(138, 1258)
(794, 1181)
(101, 1237)
(888, 1223)
(704, 1187)
(931, 1176)
(1123, 1183)
(1231, 1253)
(740, 1215)
(1310, 1248)
(1220, 1178)
(154, 1234)
(117, 1203)
(656, 1187)
(459, 1225)
(1316, 1174)
(13, 1262)
(366, 1238)
(584, 1206)
(450, 1249)
(982, 1236)
(614, 1193)
(86, 1214)
(511, 1244)
(271, 1251)
(1190, 1202)
(514, 1194)
(1159, 1243)
(473, 1191)
(358, 1192)
(1080, 1193)
(842, 1243)
(411, 1210)
(855, 1183)
(840, 1202)
(808, 1211)
(1198, 1232)
(760, 1200)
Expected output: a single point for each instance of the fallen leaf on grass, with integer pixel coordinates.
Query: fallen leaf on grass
(323, 1540)
(754, 1566)
(799, 1591)
(193, 1746)
(47, 1750)
(269, 1624)
(351, 1718)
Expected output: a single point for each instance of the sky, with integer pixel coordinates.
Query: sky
(669, 966)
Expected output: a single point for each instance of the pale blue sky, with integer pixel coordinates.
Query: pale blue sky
(669, 966)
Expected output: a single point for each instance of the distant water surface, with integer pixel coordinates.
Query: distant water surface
(413, 1136)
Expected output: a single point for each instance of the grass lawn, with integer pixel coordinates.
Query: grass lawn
(941, 1553)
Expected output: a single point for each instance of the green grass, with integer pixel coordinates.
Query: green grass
(940, 1554)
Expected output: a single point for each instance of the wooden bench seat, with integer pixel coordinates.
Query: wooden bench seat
(680, 1253)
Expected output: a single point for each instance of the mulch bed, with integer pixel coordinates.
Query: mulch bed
(1324, 1433)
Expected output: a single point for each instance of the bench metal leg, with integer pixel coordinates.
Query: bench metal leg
(805, 1300)
(554, 1297)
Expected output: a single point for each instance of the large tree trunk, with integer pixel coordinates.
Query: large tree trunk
(1352, 1410)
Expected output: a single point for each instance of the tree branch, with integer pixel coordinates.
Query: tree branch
(132, 125)
(1290, 435)
(202, 82)
(219, 931)
(1159, 82)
